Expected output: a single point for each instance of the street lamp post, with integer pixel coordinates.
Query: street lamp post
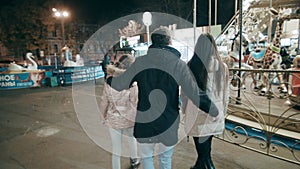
(147, 19)
(62, 15)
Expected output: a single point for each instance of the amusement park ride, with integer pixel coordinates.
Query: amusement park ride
(29, 75)
(260, 49)
(13, 67)
(260, 118)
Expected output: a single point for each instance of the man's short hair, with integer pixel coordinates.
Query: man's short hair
(161, 36)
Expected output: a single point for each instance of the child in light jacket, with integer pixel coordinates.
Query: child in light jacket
(119, 111)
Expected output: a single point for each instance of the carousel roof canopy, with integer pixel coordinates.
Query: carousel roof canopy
(275, 3)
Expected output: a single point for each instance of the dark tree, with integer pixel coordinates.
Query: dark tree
(25, 24)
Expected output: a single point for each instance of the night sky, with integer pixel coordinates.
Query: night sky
(108, 10)
(104, 11)
(95, 11)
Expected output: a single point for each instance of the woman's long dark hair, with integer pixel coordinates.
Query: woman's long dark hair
(205, 49)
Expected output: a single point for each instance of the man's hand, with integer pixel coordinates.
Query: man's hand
(208, 106)
(214, 112)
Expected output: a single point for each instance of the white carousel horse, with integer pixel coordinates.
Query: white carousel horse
(232, 60)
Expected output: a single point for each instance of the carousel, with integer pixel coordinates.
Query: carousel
(269, 40)
(260, 45)
(62, 72)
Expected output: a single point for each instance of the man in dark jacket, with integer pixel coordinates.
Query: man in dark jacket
(158, 75)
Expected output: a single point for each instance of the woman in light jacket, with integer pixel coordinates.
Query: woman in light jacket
(212, 76)
(119, 111)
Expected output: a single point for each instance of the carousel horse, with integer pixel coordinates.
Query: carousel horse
(232, 60)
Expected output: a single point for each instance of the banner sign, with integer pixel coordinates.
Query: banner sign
(21, 80)
(38, 78)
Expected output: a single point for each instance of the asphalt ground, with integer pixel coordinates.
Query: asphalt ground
(39, 129)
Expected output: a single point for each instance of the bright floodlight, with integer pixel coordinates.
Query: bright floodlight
(57, 14)
(147, 18)
(65, 14)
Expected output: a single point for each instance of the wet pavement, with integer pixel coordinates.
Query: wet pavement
(39, 129)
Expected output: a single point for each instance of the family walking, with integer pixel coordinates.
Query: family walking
(141, 97)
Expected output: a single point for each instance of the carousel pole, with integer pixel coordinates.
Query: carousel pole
(195, 20)
(209, 15)
(238, 99)
(298, 50)
(216, 11)
(235, 6)
(270, 25)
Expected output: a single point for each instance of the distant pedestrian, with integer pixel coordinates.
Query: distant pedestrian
(106, 61)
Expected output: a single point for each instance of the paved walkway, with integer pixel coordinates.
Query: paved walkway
(39, 129)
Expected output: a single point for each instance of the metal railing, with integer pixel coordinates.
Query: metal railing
(265, 120)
